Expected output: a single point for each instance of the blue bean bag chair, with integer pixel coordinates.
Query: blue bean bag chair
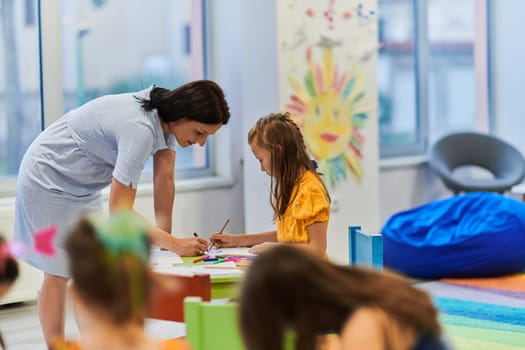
(478, 234)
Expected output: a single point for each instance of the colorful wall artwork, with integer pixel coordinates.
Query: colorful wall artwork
(327, 80)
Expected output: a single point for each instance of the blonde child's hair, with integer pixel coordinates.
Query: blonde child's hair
(279, 134)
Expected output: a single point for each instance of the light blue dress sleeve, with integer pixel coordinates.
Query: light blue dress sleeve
(172, 142)
(133, 152)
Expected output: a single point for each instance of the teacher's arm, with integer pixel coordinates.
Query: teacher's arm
(164, 187)
(122, 197)
(163, 196)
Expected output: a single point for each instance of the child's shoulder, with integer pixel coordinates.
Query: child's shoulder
(308, 176)
(310, 181)
(311, 196)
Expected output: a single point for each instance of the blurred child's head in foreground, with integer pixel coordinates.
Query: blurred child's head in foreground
(8, 267)
(108, 260)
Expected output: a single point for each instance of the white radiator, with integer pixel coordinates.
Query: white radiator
(28, 283)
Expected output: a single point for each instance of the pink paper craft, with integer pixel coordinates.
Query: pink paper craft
(44, 240)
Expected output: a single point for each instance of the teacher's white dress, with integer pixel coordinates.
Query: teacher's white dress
(71, 161)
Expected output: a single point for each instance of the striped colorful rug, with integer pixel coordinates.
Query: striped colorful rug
(482, 313)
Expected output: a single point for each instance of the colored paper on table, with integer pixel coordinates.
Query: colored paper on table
(159, 258)
(239, 251)
(226, 268)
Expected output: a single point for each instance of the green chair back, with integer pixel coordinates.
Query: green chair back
(214, 326)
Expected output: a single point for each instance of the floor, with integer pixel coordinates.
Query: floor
(21, 329)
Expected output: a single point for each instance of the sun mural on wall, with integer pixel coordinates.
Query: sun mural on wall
(331, 109)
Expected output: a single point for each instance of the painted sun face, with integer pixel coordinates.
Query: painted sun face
(330, 110)
(327, 127)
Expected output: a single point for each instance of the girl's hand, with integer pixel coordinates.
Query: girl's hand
(190, 246)
(224, 240)
(262, 247)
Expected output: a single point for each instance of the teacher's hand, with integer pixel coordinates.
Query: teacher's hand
(190, 246)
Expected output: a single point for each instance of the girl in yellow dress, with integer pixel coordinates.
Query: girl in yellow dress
(299, 198)
(108, 261)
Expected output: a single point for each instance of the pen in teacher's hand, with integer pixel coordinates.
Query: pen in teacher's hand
(224, 226)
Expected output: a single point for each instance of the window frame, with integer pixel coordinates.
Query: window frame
(482, 68)
(52, 103)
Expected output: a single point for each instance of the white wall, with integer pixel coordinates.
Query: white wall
(259, 85)
(405, 186)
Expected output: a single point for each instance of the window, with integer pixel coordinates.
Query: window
(427, 72)
(114, 46)
(20, 93)
(108, 46)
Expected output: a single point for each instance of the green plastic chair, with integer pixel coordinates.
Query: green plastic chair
(214, 326)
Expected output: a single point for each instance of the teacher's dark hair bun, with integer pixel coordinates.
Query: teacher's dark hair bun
(202, 101)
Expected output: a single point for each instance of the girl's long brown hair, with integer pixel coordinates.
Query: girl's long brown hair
(290, 289)
(278, 134)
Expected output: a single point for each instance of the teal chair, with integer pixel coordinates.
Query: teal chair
(214, 325)
(365, 249)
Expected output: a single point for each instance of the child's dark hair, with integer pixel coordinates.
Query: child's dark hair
(287, 288)
(202, 101)
(9, 271)
(111, 279)
(279, 134)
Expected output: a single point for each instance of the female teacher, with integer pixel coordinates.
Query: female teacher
(105, 142)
